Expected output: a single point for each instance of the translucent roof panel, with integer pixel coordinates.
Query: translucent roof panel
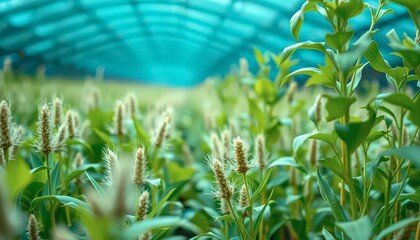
(174, 42)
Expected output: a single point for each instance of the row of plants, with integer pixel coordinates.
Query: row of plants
(246, 157)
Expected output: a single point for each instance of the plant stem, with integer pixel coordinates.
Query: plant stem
(250, 204)
(238, 223)
(6, 155)
(226, 230)
(52, 216)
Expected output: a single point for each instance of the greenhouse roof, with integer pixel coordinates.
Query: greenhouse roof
(177, 42)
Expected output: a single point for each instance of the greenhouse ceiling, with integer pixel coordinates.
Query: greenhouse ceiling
(175, 42)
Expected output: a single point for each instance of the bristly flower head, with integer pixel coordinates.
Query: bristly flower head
(226, 145)
(60, 138)
(17, 136)
(33, 232)
(2, 158)
(111, 165)
(243, 197)
(58, 112)
(71, 124)
(163, 129)
(225, 190)
(139, 166)
(143, 205)
(260, 150)
(240, 156)
(44, 142)
(119, 119)
(131, 103)
(6, 125)
(215, 144)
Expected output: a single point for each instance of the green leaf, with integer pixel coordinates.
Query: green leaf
(349, 9)
(157, 208)
(178, 173)
(328, 195)
(142, 136)
(408, 3)
(397, 99)
(208, 234)
(302, 71)
(77, 172)
(288, 51)
(259, 57)
(298, 141)
(334, 165)
(261, 186)
(353, 134)
(359, 229)
(338, 40)
(79, 141)
(261, 213)
(17, 176)
(297, 19)
(410, 55)
(103, 136)
(347, 60)
(287, 161)
(256, 113)
(326, 76)
(157, 223)
(327, 235)
(337, 106)
(265, 89)
(412, 153)
(396, 226)
(415, 112)
(66, 200)
(29, 193)
(97, 187)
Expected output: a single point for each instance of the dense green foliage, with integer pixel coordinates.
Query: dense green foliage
(244, 157)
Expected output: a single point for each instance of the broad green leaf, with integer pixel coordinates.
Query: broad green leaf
(410, 55)
(310, 71)
(412, 153)
(256, 113)
(408, 3)
(17, 176)
(334, 165)
(329, 196)
(339, 40)
(396, 226)
(353, 134)
(261, 213)
(397, 99)
(65, 200)
(337, 106)
(157, 223)
(103, 136)
(265, 89)
(287, 161)
(325, 76)
(347, 60)
(29, 193)
(77, 172)
(349, 9)
(415, 113)
(177, 173)
(327, 235)
(297, 19)
(207, 235)
(79, 141)
(328, 138)
(288, 51)
(359, 229)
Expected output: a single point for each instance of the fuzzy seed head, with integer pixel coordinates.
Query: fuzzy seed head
(143, 205)
(226, 145)
(146, 236)
(111, 165)
(139, 166)
(243, 67)
(215, 145)
(44, 130)
(33, 232)
(313, 153)
(225, 190)
(318, 109)
(2, 158)
(17, 136)
(78, 161)
(131, 105)
(260, 150)
(224, 207)
(5, 125)
(243, 197)
(60, 138)
(163, 130)
(119, 119)
(187, 155)
(58, 112)
(71, 124)
(291, 91)
(240, 156)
